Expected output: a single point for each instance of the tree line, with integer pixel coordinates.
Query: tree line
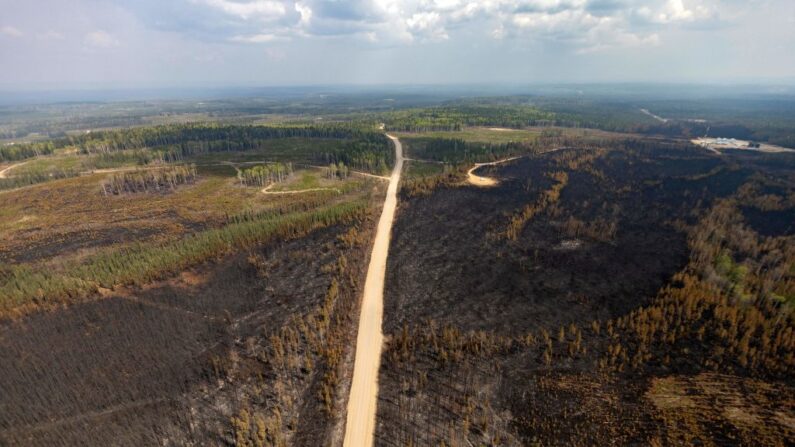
(264, 175)
(21, 151)
(188, 139)
(456, 117)
(337, 171)
(148, 180)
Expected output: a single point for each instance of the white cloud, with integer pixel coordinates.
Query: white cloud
(577, 28)
(587, 24)
(258, 9)
(168, 41)
(427, 24)
(305, 12)
(676, 11)
(10, 31)
(583, 24)
(100, 39)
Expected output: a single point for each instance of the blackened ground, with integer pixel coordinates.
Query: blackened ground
(450, 263)
(770, 223)
(141, 367)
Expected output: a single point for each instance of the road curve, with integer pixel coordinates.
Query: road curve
(486, 181)
(477, 180)
(4, 172)
(360, 424)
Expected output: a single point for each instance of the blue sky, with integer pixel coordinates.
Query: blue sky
(166, 43)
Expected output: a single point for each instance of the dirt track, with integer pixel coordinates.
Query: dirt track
(485, 181)
(360, 424)
(4, 172)
(488, 181)
(656, 117)
(266, 190)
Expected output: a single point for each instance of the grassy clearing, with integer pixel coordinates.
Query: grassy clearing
(317, 178)
(46, 165)
(73, 202)
(303, 180)
(216, 170)
(420, 169)
(498, 135)
(47, 218)
(77, 163)
(65, 165)
(479, 135)
(308, 180)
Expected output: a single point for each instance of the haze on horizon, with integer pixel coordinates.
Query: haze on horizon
(51, 44)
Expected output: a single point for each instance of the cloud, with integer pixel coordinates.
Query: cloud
(676, 12)
(100, 39)
(427, 24)
(581, 24)
(266, 10)
(10, 31)
(237, 41)
(255, 38)
(577, 28)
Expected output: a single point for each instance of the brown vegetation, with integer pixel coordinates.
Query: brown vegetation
(548, 198)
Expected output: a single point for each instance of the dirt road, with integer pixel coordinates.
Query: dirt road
(485, 181)
(4, 172)
(658, 118)
(360, 424)
(266, 190)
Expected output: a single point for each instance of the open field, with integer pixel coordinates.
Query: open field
(495, 135)
(479, 135)
(38, 220)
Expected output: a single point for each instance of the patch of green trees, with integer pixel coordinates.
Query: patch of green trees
(21, 151)
(264, 175)
(27, 288)
(455, 117)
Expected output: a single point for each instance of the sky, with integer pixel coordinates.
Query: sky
(62, 44)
